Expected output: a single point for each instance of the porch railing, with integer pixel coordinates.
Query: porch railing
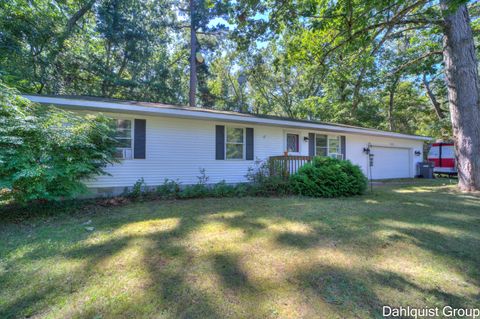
(285, 165)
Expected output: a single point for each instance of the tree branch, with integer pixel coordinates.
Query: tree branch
(411, 62)
(217, 33)
(433, 99)
(71, 23)
(397, 19)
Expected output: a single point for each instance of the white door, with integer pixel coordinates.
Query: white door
(390, 162)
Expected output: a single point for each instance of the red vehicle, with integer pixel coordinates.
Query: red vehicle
(443, 155)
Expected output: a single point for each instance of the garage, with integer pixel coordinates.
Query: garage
(390, 162)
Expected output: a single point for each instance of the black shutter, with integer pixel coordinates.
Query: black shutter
(219, 142)
(311, 144)
(140, 133)
(249, 144)
(343, 145)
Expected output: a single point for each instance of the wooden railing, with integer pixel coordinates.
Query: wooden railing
(285, 165)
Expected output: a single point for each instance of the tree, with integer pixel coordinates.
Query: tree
(111, 48)
(200, 15)
(358, 29)
(463, 93)
(43, 158)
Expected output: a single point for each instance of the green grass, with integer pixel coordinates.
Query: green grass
(407, 244)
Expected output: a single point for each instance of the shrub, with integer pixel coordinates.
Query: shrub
(198, 190)
(169, 190)
(328, 177)
(258, 173)
(272, 186)
(195, 191)
(138, 189)
(46, 153)
(243, 189)
(263, 184)
(222, 189)
(203, 178)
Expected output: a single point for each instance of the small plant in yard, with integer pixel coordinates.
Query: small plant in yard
(265, 184)
(195, 191)
(203, 178)
(222, 189)
(328, 177)
(198, 190)
(170, 189)
(139, 189)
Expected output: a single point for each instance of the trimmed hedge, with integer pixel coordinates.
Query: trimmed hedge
(328, 177)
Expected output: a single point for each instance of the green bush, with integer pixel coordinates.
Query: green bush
(139, 189)
(195, 191)
(46, 153)
(198, 190)
(264, 184)
(170, 189)
(222, 189)
(328, 177)
(243, 189)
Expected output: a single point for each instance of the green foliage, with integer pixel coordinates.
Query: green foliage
(111, 48)
(260, 185)
(222, 189)
(198, 190)
(195, 191)
(138, 189)
(328, 177)
(333, 61)
(265, 184)
(45, 152)
(170, 189)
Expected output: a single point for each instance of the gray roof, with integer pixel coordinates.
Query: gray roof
(127, 103)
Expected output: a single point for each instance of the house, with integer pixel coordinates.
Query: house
(161, 141)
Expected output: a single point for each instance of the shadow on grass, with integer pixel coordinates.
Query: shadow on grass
(352, 293)
(174, 290)
(233, 277)
(302, 241)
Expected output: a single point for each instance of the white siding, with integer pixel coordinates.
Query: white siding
(356, 143)
(178, 148)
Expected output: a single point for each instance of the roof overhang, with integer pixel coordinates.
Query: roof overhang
(178, 112)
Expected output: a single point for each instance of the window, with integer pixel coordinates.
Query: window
(321, 148)
(292, 143)
(334, 149)
(327, 145)
(123, 135)
(235, 140)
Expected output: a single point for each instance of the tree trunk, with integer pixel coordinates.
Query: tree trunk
(193, 60)
(463, 93)
(436, 105)
(391, 103)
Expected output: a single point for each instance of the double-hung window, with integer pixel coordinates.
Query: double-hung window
(334, 149)
(123, 135)
(235, 143)
(328, 145)
(321, 145)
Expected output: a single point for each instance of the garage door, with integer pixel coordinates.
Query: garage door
(390, 162)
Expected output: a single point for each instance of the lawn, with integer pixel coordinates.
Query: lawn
(406, 244)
